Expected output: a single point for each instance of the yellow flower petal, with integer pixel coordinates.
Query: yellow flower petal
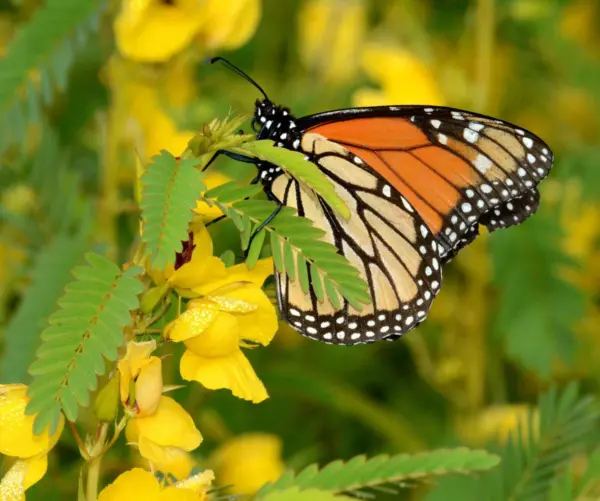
(191, 323)
(133, 485)
(202, 267)
(200, 482)
(177, 494)
(228, 24)
(169, 426)
(232, 372)
(21, 476)
(156, 31)
(219, 339)
(248, 461)
(148, 387)
(238, 273)
(342, 27)
(16, 428)
(177, 462)
(403, 77)
(232, 305)
(261, 324)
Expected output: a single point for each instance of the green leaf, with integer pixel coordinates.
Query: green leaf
(255, 248)
(170, 190)
(553, 305)
(317, 284)
(360, 473)
(295, 494)
(87, 327)
(302, 267)
(277, 253)
(295, 164)
(537, 452)
(50, 274)
(47, 45)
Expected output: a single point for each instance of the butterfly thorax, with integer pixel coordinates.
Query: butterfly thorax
(278, 124)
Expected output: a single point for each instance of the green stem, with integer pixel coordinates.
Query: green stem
(484, 42)
(93, 477)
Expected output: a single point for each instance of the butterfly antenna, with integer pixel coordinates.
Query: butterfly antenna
(244, 75)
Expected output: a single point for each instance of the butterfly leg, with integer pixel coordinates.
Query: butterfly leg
(272, 216)
(234, 156)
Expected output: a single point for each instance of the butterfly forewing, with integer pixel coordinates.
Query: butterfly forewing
(385, 240)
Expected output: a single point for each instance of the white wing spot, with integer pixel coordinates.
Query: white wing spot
(409, 320)
(482, 163)
(327, 335)
(340, 320)
(294, 312)
(341, 335)
(384, 329)
(358, 161)
(311, 330)
(436, 123)
(466, 207)
(520, 132)
(310, 318)
(352, 325)
(370, 334)
(530, 158)
(387, 191)
(355, 336)
(470, 193)
(325, 324)
(527, 141)
(371, 323)
(435, 284)
(428, 271)
(522, 172)
(406, 205)
(486, 188)
(470, 135)
(476, 126)
(424, 230)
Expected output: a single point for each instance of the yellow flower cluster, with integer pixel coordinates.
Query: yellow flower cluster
(26, 452)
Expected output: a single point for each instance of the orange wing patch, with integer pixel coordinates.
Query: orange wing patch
(374, 133)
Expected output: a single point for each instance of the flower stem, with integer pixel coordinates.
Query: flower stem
(80, 444)
(93, 477)
(485, 28)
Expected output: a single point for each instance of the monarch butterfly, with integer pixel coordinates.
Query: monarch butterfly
(419, 181)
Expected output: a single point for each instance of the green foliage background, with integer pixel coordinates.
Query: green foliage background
(519, 311)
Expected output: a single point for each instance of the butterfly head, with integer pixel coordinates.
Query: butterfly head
(271, 121)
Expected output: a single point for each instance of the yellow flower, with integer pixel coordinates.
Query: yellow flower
(211, 180)
(248, 461)
(197, 272)
(18, 441)
(404, 79)
(213, 329)
(163, 437)
(141, 378)
(494, 423)
(228, 24)
(156, 30)
(141, 485)
(331, 35)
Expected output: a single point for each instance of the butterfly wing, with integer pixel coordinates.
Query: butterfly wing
(456, 168)
(386, 240)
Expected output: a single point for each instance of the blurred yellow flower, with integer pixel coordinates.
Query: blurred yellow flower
(402, 76)
(17, 440)
(228, 24)
(248, 461)
(163, 437)
(156, 30)
(494, 423)
(331, 34)
(141, 485)
(579, 22)
(141, 378)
